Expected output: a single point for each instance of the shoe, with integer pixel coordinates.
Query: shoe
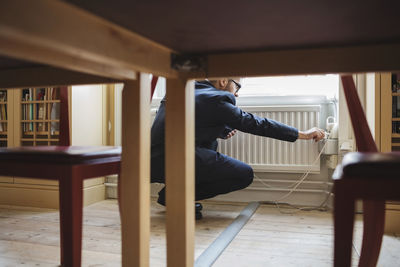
(198, 206)
(161, 201)
(161, 197)
(199, 215)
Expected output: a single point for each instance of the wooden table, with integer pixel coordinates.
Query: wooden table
(49, 42)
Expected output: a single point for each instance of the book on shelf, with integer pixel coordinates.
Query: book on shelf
(3, 110)
(27, 109)
(54, 110)
(395, 98)
(396, 82)
(25, 97)
(41, 109)
(3, 117)
(396, 106)
(31, 114)
(396, 127)
(3, 95)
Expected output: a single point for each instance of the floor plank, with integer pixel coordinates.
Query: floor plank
(30, 237)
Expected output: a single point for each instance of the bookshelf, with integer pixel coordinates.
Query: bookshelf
(40, 112)
(6, 124)
(388, 132)
(395, 86)
(31, 117)
(3, 118)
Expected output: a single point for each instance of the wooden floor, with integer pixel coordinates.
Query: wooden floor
(30, 237)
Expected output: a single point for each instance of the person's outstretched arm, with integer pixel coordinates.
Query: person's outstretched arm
(238, 119)
(313, 133)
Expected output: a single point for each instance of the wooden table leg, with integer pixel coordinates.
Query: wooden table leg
(135, 172)
(180, 172)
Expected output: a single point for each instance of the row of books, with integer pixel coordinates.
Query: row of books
(42, 111)
(3, 110)
(30, 94)
(396, 106)
(396, 82)
(396, 127)
(27, 110)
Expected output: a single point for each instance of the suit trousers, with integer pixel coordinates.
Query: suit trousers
(215, 173)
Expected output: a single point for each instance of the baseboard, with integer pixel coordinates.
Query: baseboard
(313, 194)
(94, 194)
(45, 196)
(392, 219)
(36, 196)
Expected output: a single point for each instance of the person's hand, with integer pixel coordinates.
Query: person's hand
(313, 133)
(230, 134)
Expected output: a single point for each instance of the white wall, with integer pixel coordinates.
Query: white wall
(346, 139)
(370, 101)
(118, 114)
(87, 115)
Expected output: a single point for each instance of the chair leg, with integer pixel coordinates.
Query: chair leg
(343, 227)
(70, 189)
(119, 195)
(374, 222)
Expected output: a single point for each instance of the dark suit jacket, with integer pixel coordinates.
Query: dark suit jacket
(216, 115)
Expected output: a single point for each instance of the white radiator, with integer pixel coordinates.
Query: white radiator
(270, 155)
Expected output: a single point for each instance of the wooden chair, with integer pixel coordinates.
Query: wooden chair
(368, 175)
(70, 165)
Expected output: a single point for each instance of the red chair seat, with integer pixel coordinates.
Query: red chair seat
(70, 165)
(60, 154)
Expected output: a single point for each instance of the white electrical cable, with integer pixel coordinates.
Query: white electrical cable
(289, 186)
(296, 185)
(304, 176)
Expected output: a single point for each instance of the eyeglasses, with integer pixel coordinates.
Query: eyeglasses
(238, 85)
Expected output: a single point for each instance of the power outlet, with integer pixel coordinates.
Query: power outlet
(332, 161)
